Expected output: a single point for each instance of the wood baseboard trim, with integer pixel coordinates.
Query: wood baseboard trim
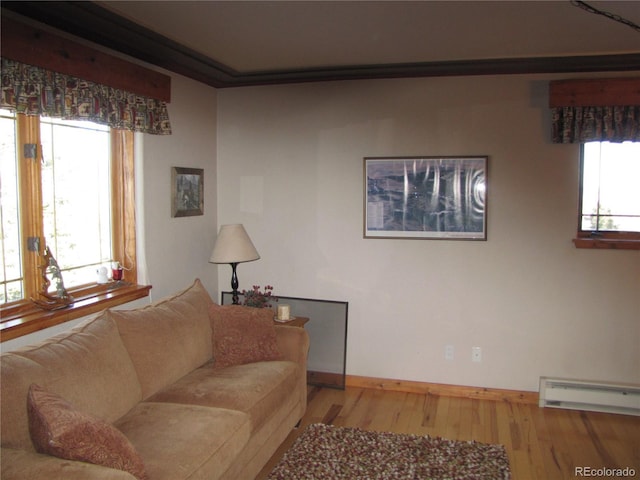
(325, 379)
(409, 386)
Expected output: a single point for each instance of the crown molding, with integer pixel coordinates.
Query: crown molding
(96, 24)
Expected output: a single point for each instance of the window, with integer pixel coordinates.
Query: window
(76, 197)
(9, 212)
(609, 195)
(67, 185)
(74, 186)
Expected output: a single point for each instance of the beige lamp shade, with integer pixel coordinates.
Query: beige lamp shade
(233, 245)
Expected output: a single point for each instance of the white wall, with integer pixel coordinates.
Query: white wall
(176, 250)
(290, 168)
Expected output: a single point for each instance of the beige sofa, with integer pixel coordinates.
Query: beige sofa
(200, 391)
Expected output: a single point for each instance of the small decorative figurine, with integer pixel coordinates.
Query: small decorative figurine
(102, 275)
(62, 299)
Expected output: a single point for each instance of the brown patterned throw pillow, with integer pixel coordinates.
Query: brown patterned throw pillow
(243, 335)
(58, 429)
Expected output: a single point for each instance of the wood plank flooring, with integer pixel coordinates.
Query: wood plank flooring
(542, 443)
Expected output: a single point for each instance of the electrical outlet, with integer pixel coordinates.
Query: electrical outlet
(476, 354)
(448, 352)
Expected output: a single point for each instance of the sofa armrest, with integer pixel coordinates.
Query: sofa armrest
(294, 346)
(293, 343)
(23, 465)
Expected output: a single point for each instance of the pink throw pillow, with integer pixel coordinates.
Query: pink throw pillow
(58, 429)
(243, 335)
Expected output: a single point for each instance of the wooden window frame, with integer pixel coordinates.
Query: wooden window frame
(597, 92)
(608, 240)
(23, 317)
(618, 240)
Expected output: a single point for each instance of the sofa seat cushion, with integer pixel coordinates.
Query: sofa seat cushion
(20, 464)
(259, 389)
(58, 429)
(185, 441)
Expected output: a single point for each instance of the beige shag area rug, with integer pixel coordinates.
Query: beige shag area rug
(326, 452)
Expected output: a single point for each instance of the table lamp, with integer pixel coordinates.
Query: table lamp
(233, 246)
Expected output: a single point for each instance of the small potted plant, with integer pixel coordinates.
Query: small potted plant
(257, 299)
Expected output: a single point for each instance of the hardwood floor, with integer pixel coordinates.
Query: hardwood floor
(542, 443)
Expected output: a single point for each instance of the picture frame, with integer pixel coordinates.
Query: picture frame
(426, 197)
(187, 192)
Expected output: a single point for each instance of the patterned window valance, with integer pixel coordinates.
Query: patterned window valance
(596, 124)
(36, 91)
(595, 110)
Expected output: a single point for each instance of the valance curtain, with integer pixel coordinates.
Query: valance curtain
(595, 124)
(35, 91)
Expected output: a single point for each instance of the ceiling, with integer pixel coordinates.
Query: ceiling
(235, 43)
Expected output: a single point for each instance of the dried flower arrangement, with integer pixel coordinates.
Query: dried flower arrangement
(257, 299)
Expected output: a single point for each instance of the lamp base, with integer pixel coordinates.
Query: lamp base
(234, 284)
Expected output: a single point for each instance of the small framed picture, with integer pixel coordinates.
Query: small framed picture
(426, 198)
(187, 193)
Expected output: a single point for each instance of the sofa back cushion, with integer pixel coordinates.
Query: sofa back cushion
(167, 339)
(243, 335)
(88, 365)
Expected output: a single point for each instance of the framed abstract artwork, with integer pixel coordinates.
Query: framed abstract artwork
(426, 197)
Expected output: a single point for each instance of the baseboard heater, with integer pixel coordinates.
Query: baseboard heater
(589, 395)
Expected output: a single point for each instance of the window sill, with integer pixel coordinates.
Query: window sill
(24, 317)
(607, 243)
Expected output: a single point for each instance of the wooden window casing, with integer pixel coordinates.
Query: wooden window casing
(23, 317)
(602, 239)
(35, 46)
(591, 93)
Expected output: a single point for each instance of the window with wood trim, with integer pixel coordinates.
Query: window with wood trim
(29, 209)
(68, 185)
(609, 214)
(603, 116)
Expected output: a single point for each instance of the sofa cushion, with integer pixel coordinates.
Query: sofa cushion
(185, 441)
(259, 389)
(58, 429)
(88, 366)
(169, 338)
(243, 335)
(20, 464)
